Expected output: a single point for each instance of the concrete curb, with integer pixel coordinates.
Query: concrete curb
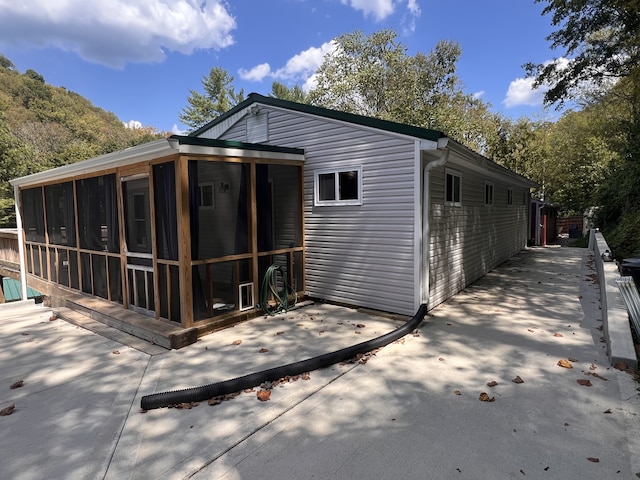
(617, 329)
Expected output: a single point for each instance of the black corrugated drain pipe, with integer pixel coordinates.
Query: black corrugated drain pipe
(205, 392)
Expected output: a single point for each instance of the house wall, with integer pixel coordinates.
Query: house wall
(468, 241)
(357, 254)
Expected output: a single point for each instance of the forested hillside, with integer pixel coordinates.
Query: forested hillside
(42, 126)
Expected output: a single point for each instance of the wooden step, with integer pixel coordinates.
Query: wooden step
(158, 332)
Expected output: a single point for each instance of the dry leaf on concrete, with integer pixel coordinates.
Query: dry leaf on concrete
(584, 382)
(558, 335)
(116, 352)
(492, 383)
(518, 380)
(360, 325)
(486, 398)
(18, 384)
(593, 459)
(564, 363)
(264, 395)
(7, 410)
(236, 342)
(457, 392)
(263, 350)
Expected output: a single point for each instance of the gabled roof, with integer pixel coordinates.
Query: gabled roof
(410, 130)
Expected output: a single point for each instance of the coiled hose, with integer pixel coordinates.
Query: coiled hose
(205, 392)
(270, 285)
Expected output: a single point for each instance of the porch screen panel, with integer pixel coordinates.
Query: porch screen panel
(61, 224)
(164, 183)
(218, 197)
(98, 213)
(33, 212)
(279, 207)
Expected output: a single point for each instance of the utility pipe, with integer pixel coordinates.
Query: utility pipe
(426, 230)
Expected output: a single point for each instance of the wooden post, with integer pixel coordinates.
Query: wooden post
(184, 241)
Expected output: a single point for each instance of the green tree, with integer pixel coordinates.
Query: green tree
(604, 35)
(601, 39)
(374, 76)
(218, 97)
(293, 94)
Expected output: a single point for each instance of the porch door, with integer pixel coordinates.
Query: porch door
(138, 243)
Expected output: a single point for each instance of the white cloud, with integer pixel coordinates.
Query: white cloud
(379, 9)
(300, 67)
(257, 73)
(116, 32)
(133, 124)
(479, 95)
(521, 92)
(176, 131)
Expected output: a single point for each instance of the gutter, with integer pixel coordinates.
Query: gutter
(426, 229)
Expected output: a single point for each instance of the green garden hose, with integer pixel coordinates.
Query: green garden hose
(270, 286)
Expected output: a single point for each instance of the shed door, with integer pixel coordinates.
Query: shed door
(138, 243)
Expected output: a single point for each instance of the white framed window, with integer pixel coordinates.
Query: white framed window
(488, 194)
(338, 186)
(509, 196)
(206, 196)
(452, 188)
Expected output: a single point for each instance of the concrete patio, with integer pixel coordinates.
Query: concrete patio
(412, 410)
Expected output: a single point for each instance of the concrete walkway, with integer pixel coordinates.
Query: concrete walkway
(411, 411)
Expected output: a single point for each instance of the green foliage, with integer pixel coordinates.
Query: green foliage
(218, 97)
(374, 76)
(293, 94)
(601, 39)
(42, 127)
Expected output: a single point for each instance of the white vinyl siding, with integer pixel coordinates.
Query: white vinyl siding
(467, 242)
(360, 255)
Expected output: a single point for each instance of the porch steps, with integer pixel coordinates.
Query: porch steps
(81, 320)
(156, 332)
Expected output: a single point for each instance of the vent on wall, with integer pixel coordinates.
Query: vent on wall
(257, 127)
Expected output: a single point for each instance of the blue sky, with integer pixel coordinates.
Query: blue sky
(139, 58)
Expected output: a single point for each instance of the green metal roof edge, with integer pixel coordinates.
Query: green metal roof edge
(410, 130)
(217, 143)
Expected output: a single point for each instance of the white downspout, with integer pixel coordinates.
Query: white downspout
(426, 231)
(23, 270)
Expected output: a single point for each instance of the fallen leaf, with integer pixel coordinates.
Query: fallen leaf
(214, 401)
(486, 398)
(592, 367)
(517, 380)
(621, 366)
(608, 410)
(564, 364)
(358, 332)
(558, 335)
(594, 374)
(529, 330)
(360, 325)
(457, 392)
(264, 395)
(236, 342)
(492, 383)
(116, 352)
(279, 333)
(441, 359)
(305, 376)
(7, 410)
(593, 459)
(584, 382)
(53, 318)
(566, 424)
(18, 384)
(263, 350)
